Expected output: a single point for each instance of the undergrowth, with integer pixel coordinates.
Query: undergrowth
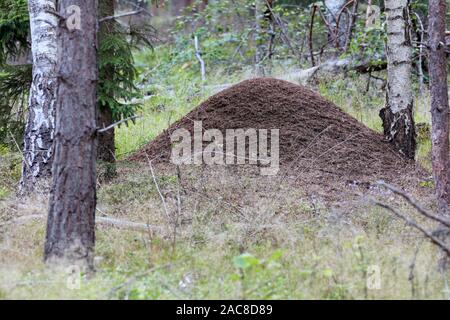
(231, 242)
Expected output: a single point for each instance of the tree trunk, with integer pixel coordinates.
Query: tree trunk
(264, 35)
(260, 48)
(106, 140)
(439, 100)
(338, 22)
(39, 131)
(397, 116)
(71, 220)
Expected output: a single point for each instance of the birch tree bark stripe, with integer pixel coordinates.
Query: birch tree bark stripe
(38, 138)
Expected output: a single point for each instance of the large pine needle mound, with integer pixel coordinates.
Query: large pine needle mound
(317, 138)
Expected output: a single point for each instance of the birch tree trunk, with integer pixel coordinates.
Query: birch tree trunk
(334, 8)
(439, 100)
(397, 116)
(39, 131)
(71, 220)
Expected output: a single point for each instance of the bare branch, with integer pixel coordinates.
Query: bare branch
(166, 210)
(414, 203)
(121, 15)
(117, 123)
(414, 224)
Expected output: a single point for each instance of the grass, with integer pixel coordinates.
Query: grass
(297, 254)
(234, 241)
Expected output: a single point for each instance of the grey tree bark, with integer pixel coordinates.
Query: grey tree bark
(439, 100)
(397, 116)
(70, 234)
(39, 131)
(337, 21)
(264, 35)
(260, 42)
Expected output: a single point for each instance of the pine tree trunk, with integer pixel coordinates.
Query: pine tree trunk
(39, 131)
(397, 116)
(71, 220)
(106, 141)
(439, 100)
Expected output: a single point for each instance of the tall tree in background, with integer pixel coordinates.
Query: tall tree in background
(117, 74)
(106, 141)
(397, 116)
(71, 219)
(337, 21)
(439, 100)
(38, 137)
(264, 35)
(15, 73)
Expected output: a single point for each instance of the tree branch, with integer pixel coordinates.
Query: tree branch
(121, 15)
(117, 123)
(413, 202)
(412, 223)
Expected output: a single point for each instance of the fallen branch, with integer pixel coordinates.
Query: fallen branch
(111, 222)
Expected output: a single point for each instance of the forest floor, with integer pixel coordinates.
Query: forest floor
(229, 233)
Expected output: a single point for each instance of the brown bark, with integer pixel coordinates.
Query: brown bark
(71, 220)
(439, 100)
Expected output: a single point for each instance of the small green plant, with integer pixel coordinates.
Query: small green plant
(261, 278)
(4, 192)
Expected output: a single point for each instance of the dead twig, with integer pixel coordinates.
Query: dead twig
(416, 205)
(415, 225)
(166, 210)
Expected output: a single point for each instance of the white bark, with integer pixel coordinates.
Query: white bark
(398, 115)
(334, 9)
(399, 55)
(39, 130)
